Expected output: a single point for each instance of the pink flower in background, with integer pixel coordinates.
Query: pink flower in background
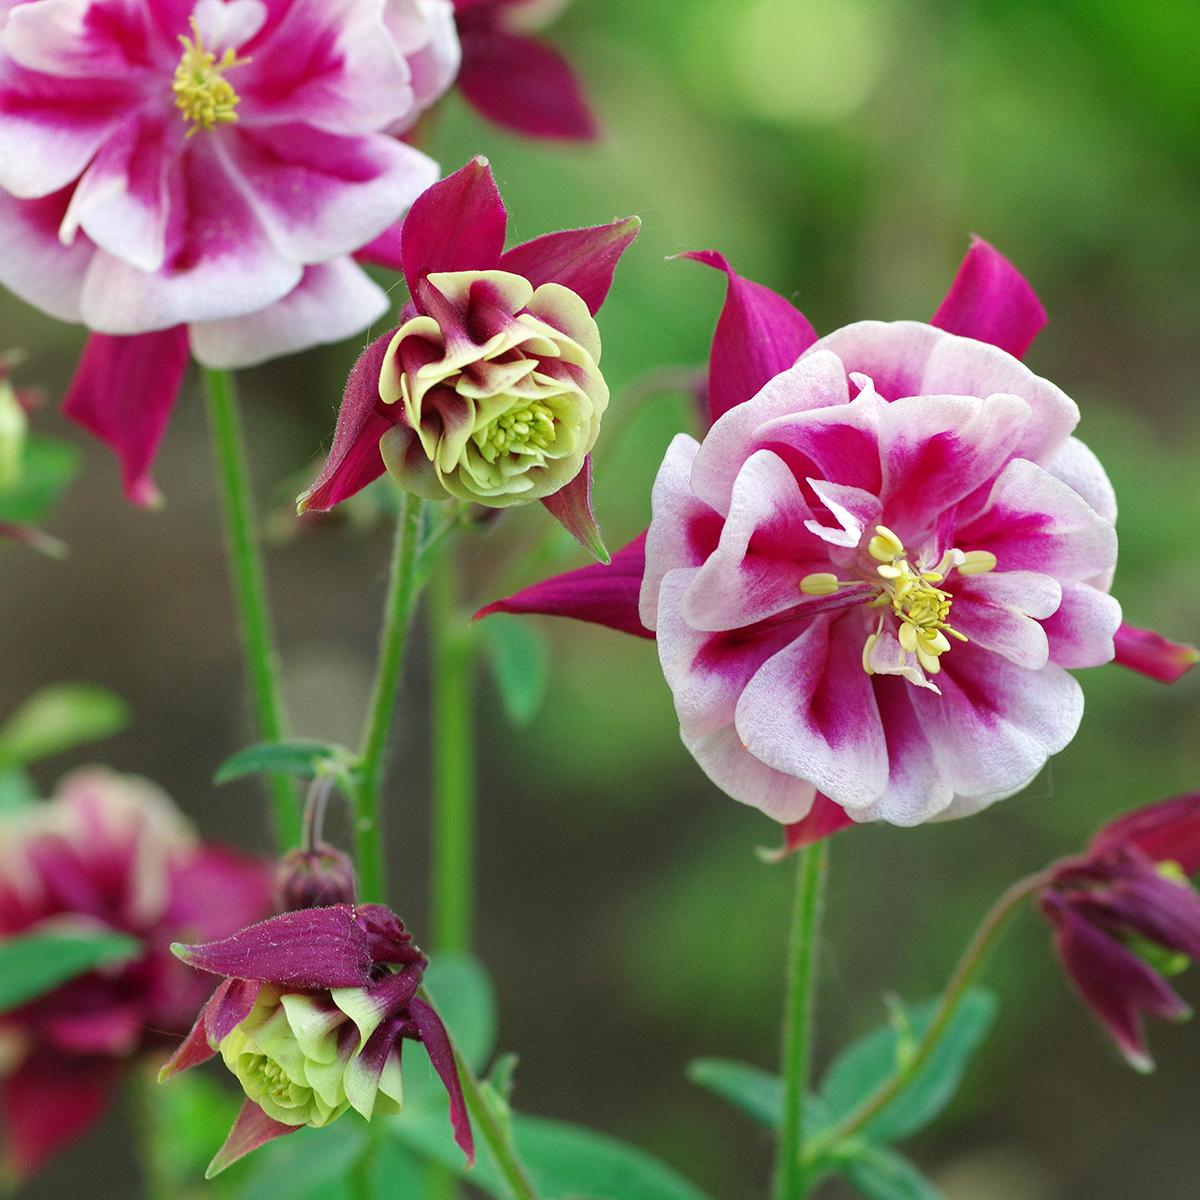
(490, 390)
(1125, 915)
(110, 853)
(198, 175)
(519, 81)
(867, 582)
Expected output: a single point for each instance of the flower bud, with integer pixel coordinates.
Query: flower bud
(314, 879)
(13, 427)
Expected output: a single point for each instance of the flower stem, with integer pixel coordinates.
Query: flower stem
(249, 587)
(401, 600)
(791, 1175)
(453, 766)
(973, 958)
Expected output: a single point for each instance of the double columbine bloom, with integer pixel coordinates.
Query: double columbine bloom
(108, 853)
(490, 390)
(311, 1018)
(869, 580)
(1125, 916)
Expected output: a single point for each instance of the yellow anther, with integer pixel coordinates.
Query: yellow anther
(885, 545)
(820, 583)
(977, 562)
(202, 93)
(868, 646)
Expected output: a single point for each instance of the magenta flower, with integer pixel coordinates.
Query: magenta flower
(490, 389)
(1125, 913)
(198, 174)
(869, 580)
(311, 1018)
(109, 852)
(519, 81)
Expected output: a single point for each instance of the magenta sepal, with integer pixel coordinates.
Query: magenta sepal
(385, 250)
(1168, 831)
(991, 301)
(441, 1054)
(253, 1128)
(824, 819)
(571, 507)
(313, 948)
(758, 335)
(602, 594)
(1151, 654)
(122, 393)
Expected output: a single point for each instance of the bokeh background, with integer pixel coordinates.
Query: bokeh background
(840, 153)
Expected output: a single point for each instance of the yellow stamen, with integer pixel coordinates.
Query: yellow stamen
(977, 562)
(202, 93)
(885, 545)
(821, 583)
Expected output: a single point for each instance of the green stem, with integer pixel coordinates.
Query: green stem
(973, 958)
(453, 766)
(398, 609)
(792, 1180)
(249, 588)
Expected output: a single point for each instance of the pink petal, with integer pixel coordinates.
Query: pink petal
(441, 1054)
(456, 225)
(74, 39)
(824, 820)
(603, 595)
(1168, 831)
(853, 509)
(918, 788)
(332, 302)
(571, 507)
(990, 300)
(1082, 627)
(33, 261)
(758, 335)
(581, 259)
(216, 891)
(385, 250)
(123, 392)
(1151, 654)
(354, 459)
(810, 712)
(48, 1102)
(253, 1128)
(523, 85)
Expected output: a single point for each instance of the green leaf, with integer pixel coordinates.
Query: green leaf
(312, 1164)
(190, 1120)
(755, 1091)
(466, 1001)
(882, 1174)
(59, 718)
(870, 1062)
(47, 468)
(17, 791)
(520, 665)
(304, 759)
(35, 963)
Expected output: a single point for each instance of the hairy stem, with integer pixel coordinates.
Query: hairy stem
(791, 1173)
(249, 588)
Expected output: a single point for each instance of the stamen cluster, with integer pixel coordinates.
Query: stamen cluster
(202, 93)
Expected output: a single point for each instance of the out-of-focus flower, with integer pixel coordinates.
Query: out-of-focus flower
(199, 174)
(519, 81)
(311, 1019)
(1125, 915)
(869, 579)
(314, 879)
(111, 853)
(490, 390)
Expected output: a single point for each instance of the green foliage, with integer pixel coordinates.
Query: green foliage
(520, 665)
(59, 718)
(313, 1164)
(17, 791)
(756, 1092)
(882, 1174)
(303, 759)
(47, 468)
(36, 963)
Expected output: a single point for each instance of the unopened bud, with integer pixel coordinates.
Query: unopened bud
(314, 879)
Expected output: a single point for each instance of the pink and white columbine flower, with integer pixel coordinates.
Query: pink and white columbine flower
(199, 174)
(868, 581)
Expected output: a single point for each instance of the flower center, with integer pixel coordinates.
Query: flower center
(527, 430)
(271, 1080)
(202, 93)
(912, 594)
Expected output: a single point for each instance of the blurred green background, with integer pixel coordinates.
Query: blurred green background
(840, 153)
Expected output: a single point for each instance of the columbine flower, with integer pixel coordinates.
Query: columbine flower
(1125, 915)
(490, 390)
(311, 1019)
(200, 173)
(516, 80)
(869, 579)
(109, 852)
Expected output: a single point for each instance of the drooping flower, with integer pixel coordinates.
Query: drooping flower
(516, 80)
(109, 853)
(311, 1019)
(1125, 915)
(490, 389)
(869, 579)
(198, 174)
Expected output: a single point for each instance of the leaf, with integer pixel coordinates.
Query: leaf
(755, 1091)
(47, 468)
(466, 1002)
(17, 791)
(190, 1120)
(520, 665)
(59, 718)
(35, 963)
(304, 759)
(313, 1164)
(882, 1174)
(870, 1062)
